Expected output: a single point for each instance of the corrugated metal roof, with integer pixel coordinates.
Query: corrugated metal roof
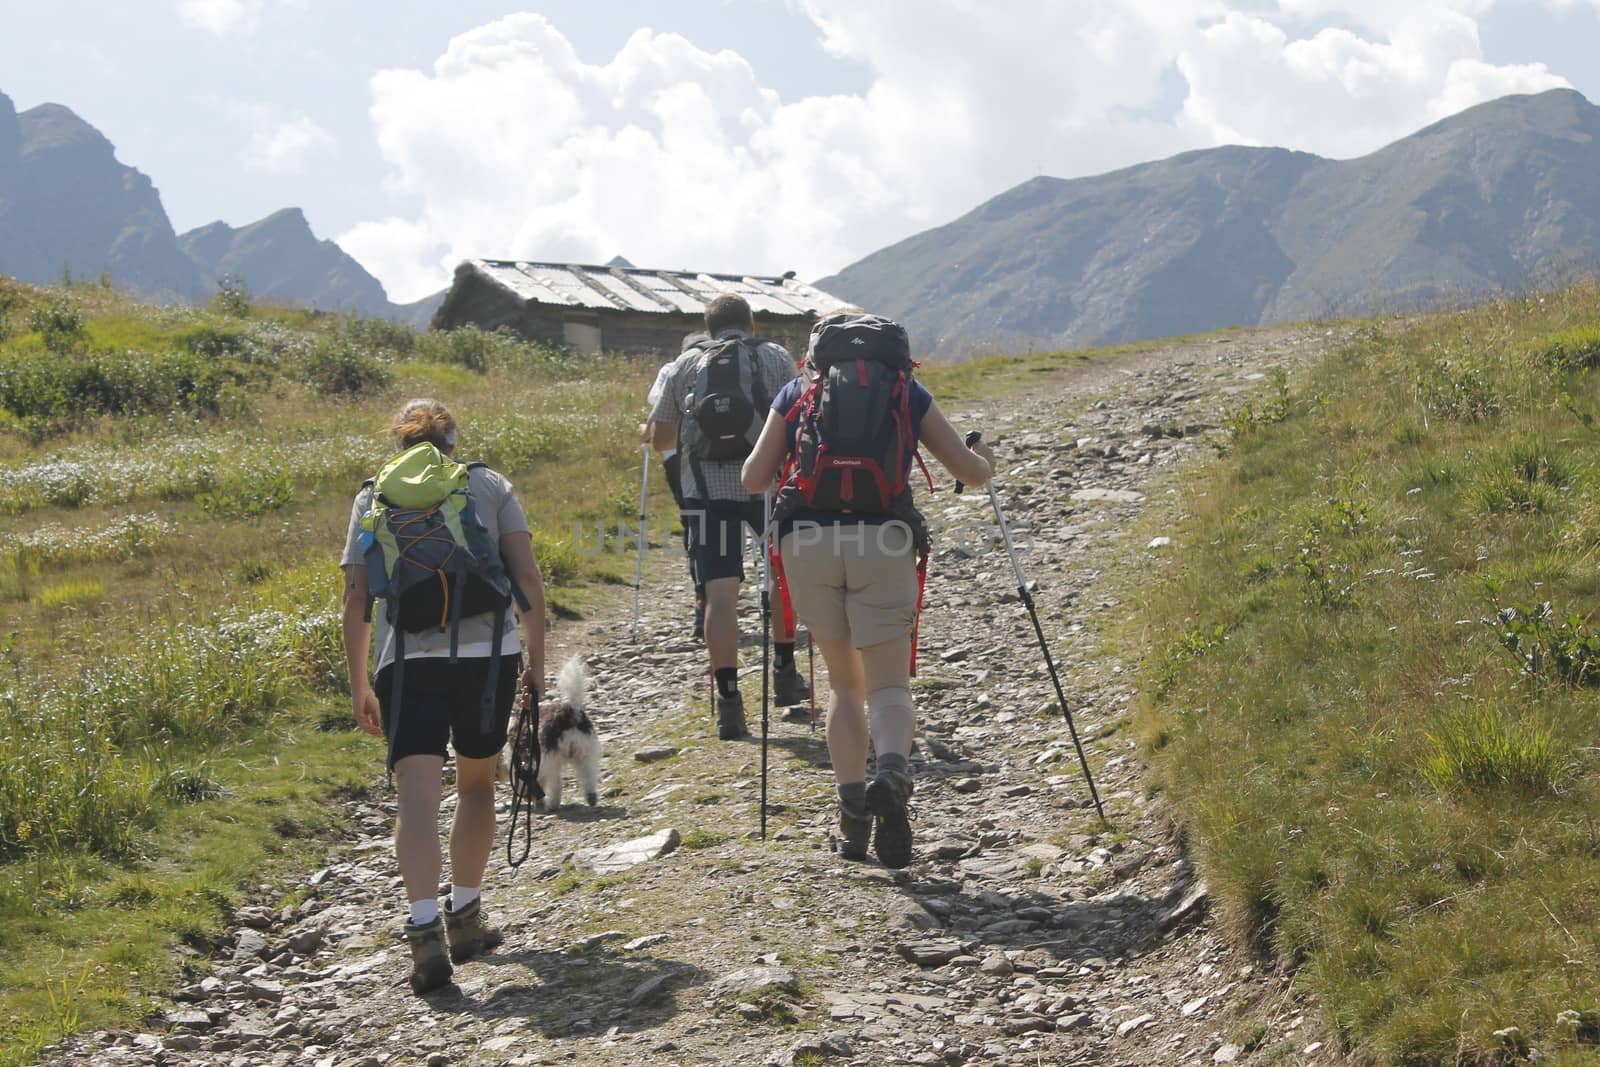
(581, 285)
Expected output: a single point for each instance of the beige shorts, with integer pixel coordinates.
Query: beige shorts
(856, 582)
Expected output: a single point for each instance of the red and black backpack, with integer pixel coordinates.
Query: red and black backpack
(854, 439)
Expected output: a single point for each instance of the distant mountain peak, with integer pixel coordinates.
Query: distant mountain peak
(286, 216)
(51, 127)
(1500, 197)
(66, 203)
(280, 256)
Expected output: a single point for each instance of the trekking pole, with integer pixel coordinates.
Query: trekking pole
(1027, 599)
(811, 666)
(766, 643)
(638, 569)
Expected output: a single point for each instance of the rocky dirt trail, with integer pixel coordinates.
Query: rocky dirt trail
(1025, 932)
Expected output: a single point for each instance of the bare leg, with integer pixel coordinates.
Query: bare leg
(472, 834)
(847, 719)
(722, 622)
(419, 782)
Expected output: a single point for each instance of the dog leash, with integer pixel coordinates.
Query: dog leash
(525, 791)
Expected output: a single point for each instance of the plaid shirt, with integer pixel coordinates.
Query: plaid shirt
(774, 369)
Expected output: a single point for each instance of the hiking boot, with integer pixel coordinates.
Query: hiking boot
(788, 687)
(854, 833)
(468, 933)
(730, 718)
(430, 966)
(699, 620)
(887, 797)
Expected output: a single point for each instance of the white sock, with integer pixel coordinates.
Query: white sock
(461, 896)
(424, 912)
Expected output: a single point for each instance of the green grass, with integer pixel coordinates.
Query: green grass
(87, 940)
(1369, 689)
(173, 710)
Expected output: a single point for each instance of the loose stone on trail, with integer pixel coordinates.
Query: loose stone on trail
(1108, 496)
(614, 859)
(753, 981)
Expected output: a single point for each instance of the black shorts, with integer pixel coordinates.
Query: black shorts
(443, 705)
(716, 543)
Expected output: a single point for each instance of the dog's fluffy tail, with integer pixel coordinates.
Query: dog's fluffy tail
(573, 683)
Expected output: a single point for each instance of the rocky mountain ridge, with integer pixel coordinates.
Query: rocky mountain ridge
(68, 206)
(1501, 197)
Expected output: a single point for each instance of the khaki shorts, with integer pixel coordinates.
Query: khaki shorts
(852, 581)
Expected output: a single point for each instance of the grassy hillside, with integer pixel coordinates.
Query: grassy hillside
(175, 486)
(1371, 687)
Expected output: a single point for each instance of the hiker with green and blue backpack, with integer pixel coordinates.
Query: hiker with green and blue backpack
(852, 550)
(439, 560)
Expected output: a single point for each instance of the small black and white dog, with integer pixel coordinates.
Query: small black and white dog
(565, 737)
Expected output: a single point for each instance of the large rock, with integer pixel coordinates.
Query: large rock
(752, 982)
(611, 859)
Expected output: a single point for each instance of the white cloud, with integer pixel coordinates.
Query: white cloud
(409, 249)
(225, 17)
(220, 17)
(1338, 93)
(282, 147)
(679, 157)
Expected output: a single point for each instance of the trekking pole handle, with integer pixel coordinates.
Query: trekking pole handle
(973, 437)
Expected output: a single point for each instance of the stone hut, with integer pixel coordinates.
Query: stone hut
(621, 308)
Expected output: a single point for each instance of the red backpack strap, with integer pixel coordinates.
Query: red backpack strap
(916, 621)
(776, 558)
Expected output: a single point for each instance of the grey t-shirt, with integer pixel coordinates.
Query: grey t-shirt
(496, 504)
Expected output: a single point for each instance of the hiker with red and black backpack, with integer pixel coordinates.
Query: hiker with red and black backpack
(851, 550)
(446, 547)
(712, 410)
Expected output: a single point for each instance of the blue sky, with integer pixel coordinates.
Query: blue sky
(756, 135)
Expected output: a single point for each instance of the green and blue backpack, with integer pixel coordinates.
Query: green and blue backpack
(430, 560)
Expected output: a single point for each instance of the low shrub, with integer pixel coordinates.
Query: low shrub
(1542, 646)
(58, 323)
(334, 365)
(1573, 349)
(373, 334)
(1456, 387)
(558, 558)
(250, 493)
(47, 391)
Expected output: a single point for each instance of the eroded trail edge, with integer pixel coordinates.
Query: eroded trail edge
(1025, 932)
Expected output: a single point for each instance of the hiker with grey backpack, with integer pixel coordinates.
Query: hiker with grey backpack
(851, 551)
(439, 561)
(672, 465)
(712, 409)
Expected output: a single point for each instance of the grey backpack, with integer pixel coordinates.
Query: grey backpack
(724, 411)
